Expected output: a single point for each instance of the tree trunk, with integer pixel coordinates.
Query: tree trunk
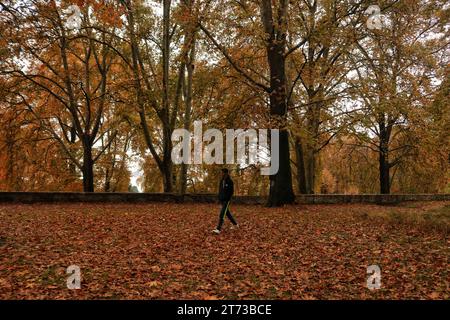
(311, 143)
(310, 170)
(301, 178)
(107, 181)
(384, 173)
(280, 191)
(11, 181)
(167, 176)
(88, 167)
(72, 167)
(385, 133)
(188, 111)
(167, 132)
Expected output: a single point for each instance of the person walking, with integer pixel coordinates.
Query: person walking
(226, 190)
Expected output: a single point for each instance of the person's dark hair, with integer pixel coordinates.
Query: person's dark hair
(224, 170)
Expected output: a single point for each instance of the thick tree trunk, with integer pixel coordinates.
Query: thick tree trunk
(166, 168)
(88, 168)
(167, 176)
(280, 191)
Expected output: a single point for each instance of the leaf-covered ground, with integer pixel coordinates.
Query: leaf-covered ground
(167, 251)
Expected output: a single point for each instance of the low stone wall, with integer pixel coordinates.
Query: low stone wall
(46, 197)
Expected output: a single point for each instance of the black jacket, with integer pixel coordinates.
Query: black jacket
(226, 189)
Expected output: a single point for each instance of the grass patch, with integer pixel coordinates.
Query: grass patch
(51, 277)
(430, 218)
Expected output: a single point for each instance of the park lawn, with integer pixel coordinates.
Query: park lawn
(167, 251)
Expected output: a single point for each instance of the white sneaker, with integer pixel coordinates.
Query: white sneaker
(216, 231)
(234, 227)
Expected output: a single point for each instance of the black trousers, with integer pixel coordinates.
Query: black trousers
(225, 210)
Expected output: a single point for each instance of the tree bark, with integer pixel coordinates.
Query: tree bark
(88, 166)
(107, 181)
(301, 178)
(167, 132)
(384, 174)
(280, 190)
(384, 165)
(310, 170)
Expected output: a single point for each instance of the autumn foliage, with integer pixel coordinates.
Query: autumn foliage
(166, 251)
(93, 107)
